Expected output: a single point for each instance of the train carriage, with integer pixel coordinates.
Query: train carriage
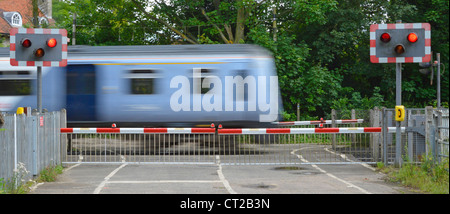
(173, 85)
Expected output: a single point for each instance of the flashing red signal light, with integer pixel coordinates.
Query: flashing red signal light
(52, 42)
(399, 49)
(412, 37)
(39, 52)
(385, 37)
(26, 43)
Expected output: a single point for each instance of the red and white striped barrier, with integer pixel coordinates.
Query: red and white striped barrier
(348, 130)
(139, 130)
(306, 130)
(315, 122)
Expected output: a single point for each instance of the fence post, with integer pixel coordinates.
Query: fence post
(15, 142)
(34, 136)
(384, 134)
(428, 128)
(63, 137)
(375, 137)
(353, 125)
(410, 135)
(333, 125)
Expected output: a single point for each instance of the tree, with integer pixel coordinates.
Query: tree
(115, 22)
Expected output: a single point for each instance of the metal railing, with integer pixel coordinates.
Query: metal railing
(41, 140)
(230, 146)
(138, 145)
(442, 133)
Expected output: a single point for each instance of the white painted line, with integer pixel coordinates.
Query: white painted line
(35, 186)
(67, 169)
(163, 181)
(103, 183)
(345, 158)
(329, 174)
(222, 177)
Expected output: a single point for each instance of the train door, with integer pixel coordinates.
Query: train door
(81, 93)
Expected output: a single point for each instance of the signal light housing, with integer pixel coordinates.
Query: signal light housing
(38, 47)
(400, 43)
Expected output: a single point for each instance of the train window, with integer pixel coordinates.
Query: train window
(142, 81)
(15, 83)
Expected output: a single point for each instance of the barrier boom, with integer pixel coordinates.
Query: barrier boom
(315, 122)
(139, 130)
(306, 130)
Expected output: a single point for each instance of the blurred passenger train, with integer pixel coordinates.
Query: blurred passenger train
(173, 85)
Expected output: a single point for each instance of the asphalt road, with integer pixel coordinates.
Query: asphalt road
(218, 179)
(214, 187)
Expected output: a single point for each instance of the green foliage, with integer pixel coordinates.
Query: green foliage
(16, 184)
(50, 173)
(300, 82)
(103, 22)
(355, 101)
(429, 176)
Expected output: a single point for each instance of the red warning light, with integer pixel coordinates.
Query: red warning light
(52, 42)
(26, 43)
(385, 37)
(412, 37)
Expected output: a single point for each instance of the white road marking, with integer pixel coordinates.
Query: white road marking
(164, 181)
(222, 177)
(219, 172)
(103, 183)
(71, 167)
(345, 158)
(329, 174)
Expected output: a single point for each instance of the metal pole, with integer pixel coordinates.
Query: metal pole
(438, 55)
(384, 131)
(398, 101)
(74, 27)
(39, 88)
(274, 21)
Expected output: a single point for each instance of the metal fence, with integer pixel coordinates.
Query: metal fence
(336, 141)
(37, 141)
(426, 134)
(344, 145)
(29, 143)
(441, 122)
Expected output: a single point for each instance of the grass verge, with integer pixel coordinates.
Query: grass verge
(425, 177)
(17, 185)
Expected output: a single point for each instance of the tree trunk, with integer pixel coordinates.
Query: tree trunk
(240, 25)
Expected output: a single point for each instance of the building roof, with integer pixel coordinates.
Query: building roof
(10, 8)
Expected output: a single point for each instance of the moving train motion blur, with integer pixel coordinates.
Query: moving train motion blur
(173, 85)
